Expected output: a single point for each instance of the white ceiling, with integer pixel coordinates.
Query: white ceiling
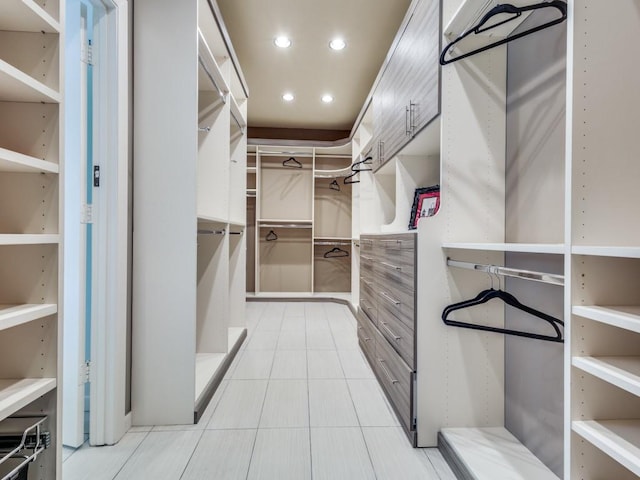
(309, 68)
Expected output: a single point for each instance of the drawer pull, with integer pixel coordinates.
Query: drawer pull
(396, 337)
(398, 242)
(389, 299)
(395, 267)
(367, 283)
(366, 258)
(386, 372)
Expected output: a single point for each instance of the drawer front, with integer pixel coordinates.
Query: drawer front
(367, 262)
(396, 379)
(394, 245)
(399, 266)
(398, 302)
(365, 335)
(366, 244)
(368, 300)
(399, 336)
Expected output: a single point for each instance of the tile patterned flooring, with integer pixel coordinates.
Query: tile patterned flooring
(299, 402)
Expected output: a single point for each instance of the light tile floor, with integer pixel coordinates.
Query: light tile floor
(299, 402)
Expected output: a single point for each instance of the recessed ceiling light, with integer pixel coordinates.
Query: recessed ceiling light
(282, 42)
(327, 98)
(337, 44)
(287, 97)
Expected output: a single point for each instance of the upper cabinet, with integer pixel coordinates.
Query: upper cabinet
(407, 97)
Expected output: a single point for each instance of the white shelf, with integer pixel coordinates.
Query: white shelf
(18, 393)
(623, 252)
(623, 372)
(235, 112)
(620, 439)
(207, 364)
(18, 163)
(211, 66)
(14, 315)
(494, 453)
(471, 11)
(17, 86)
(627, 317)
(549, 248)
(29, 239)
(251, 169)
(268, 220)
(209, 219)
(26, 16)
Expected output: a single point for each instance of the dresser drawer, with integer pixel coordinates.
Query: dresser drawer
(398, 302)
(396, 379)
(368, 299)
(399, 336)
(398, 268)
(367, 261)
(367, 245)
(365, 335)
(394, 245)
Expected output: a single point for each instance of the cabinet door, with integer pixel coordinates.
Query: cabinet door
(419, 50)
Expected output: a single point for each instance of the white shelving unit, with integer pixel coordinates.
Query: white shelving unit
(31, 162)
(189, 320)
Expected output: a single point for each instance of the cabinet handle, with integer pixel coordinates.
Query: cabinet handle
(366, 339)
(398, 242)
(390, 299)
(407, 128)
(395, 267)
(368, 284)
(412, 116)
(396, 337)
(386, 372)
(365, 257)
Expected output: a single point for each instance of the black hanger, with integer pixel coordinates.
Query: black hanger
(291, 163)
(366, 161)
(334, 185)
(271, 236)
(505, 9)
(349, 182)
(509, 299)
(336, 252)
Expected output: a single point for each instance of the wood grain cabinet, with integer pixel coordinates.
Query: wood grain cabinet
(387, 318)
(407, 97)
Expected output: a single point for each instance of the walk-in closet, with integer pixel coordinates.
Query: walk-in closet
(349, 239)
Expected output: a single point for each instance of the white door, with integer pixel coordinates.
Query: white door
(94, 300)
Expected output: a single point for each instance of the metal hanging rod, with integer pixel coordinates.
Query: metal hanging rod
(204, 129)
(542, 277)
(332, 243)
(213, 81)
(211, 232)
(285, 225)
(237, 233)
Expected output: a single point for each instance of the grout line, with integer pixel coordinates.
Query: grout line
(192, 453)
(306, 350)
(373, 466)
(131, 455)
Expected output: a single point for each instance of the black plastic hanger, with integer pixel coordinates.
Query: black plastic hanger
(271, 236)
(336, 252)
(291, 163)
(334, 185)
(510, 10)
(346, 180)
(509, 299)
(366, 161)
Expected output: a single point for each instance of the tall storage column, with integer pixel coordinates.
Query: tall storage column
(164, 239)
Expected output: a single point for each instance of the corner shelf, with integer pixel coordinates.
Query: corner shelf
(14, 315)
(17, 86)
(26, 16)
(548, 248)
(18, 393)
(626, 317)
(620, 439)
(15, 162)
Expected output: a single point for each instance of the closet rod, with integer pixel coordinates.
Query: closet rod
(204, 129)
(332, 243)
(211, 232)
(284, 225)
(509, 272)
(236, 233)
(213, 81)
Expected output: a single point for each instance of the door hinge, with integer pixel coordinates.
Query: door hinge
(86, 372)
(86, 54)
(86, 214)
